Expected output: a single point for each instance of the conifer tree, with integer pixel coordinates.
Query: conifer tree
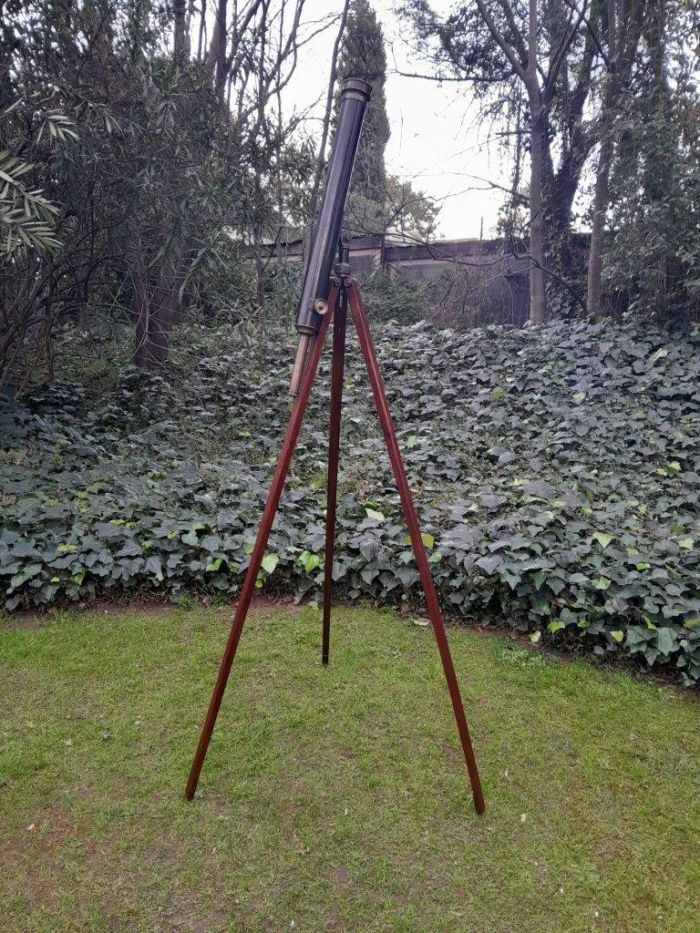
(363, 56)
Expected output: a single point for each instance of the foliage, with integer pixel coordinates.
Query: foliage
(124, 157)
(32, 163)
(400, 300)
(655, 241)
(608, 94)
(464, 296)
(412, 213)
(26, 217)
(555, 472)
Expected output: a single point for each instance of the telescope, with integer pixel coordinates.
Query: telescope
(354, 98)
(327, 294)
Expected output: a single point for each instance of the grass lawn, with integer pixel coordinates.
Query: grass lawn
(335, 799)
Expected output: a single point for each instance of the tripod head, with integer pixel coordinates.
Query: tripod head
(324, 243)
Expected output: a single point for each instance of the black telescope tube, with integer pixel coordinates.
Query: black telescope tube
(324, 243)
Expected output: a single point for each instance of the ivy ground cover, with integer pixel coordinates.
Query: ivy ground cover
(556, 472)
(335, 798)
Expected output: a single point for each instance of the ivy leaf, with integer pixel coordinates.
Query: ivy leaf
(269, 562)
(309, 561)
(489, 564)
(407, 575)
(666, 640)
(108, 530)
(154, 566)
(603, 538)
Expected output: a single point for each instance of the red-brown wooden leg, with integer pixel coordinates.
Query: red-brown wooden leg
(359, 316)
(273, 498)
(337, 373)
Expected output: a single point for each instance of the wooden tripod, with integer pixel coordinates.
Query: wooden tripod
(343, 292)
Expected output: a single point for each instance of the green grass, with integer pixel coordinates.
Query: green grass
(335, 799)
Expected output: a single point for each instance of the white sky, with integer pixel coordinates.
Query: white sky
(433, 144)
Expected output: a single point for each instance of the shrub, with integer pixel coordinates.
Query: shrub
(555, 471)
(400, 300)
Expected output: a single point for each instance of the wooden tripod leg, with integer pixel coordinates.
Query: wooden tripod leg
(359, 316)
(337, 373)
(273, 498)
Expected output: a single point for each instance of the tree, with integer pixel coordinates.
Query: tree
(653, 215)
(618, 41)
(180, 35)
(362, 55)
(541, 50)
(27, 228)
(127, 157)
(409, 213)
(404, 212)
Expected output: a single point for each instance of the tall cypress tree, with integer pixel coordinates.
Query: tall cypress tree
(362, 56)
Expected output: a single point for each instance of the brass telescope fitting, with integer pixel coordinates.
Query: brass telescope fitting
(324, 243)
(299, 363)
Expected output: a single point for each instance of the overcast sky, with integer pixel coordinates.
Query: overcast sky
(434, 143)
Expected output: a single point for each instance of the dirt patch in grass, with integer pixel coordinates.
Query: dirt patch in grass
(138, 606)
(153, 604)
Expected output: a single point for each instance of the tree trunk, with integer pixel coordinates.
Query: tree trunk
(600, 204)
(141, 351)
(217, 52)
(202, 25)
(157, 343)
(157, 309)
(260, 283)
(537, 261)
(179, 10)
(537, 304)
(188, 28)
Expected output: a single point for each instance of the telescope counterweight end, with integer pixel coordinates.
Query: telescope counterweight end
(305, 342)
